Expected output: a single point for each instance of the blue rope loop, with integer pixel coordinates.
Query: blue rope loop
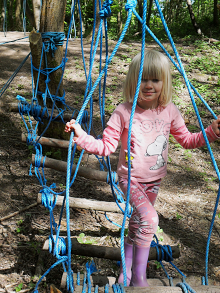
(57, 246)
(185, 287)
(166, 251)
(106, 9)
(52, 40)
(48, 199)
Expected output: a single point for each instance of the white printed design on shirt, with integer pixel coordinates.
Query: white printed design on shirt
(156, 149)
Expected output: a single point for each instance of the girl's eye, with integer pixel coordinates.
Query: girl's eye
(143, 80)
(155, 80)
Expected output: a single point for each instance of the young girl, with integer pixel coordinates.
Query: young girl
(154, 119)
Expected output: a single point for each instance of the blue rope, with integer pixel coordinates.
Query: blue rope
(203, 131)
(52, 40)
(61, 249)
(13, 41)
(129, 134)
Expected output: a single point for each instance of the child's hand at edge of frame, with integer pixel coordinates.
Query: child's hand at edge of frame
(216, 126)
(71, 125)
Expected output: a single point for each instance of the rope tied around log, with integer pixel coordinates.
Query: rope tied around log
(118, 288)
(48, 199)
(52, 40)
(185, 287)
(57, 246)
(166, 255)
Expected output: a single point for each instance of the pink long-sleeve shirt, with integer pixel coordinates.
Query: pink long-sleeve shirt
(149, 140)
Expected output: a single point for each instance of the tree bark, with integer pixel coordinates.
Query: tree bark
(140, 12)
(119, 17)
(30, 15)
(149, 12)
(215, 13)
(18, 15)
(52, 20)
(10, 16)
(193, 19)
(36, 10)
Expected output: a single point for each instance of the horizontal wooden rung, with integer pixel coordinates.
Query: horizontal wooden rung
(82, 171)
(83, 203)
(51, 142)
(113, 253)
(155, 285)
(13, 107)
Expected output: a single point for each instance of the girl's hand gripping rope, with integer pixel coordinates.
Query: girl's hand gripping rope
(72, 126)
(216, 126)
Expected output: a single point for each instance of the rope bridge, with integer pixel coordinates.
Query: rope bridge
(60, 247)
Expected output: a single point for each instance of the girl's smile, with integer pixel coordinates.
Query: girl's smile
(150, 90)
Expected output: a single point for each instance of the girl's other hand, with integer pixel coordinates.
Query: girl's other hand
(216, 126)
(71, 125)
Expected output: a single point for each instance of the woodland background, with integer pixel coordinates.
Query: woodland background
(187, 196)
(184, 17)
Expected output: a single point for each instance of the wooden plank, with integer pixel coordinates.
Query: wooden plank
(13, 107)
(51, 142)
(89, 204)
(113, 253)
(155, 289)
(82, 171)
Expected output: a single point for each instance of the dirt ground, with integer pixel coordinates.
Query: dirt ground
(185, 203)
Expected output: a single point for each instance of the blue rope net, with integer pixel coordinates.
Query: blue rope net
(60, 247)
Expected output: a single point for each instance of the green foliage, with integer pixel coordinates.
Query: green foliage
(19, 287)
(188, 154)
(85, 240)
(158, 265)
(178, 216)
(20, 229)
(175, 13)
(159, 230)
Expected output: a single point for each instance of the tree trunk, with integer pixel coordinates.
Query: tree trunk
(192, 16)
(30, 15)
(140, 12)
(10, 16)
(36, 10)
(215, 13)
(52, 20)
(119, 17)
(18, 15)
(96, 11)
(2, 15)
(149, 12)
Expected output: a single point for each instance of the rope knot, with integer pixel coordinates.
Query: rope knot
(130, 4)
(106, 9)
(59, 245)
(48, 199)
(54, 39)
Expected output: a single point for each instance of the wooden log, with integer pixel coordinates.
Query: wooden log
(13, 107)
(154, 289)
(162, 285)
(82, 171)
(89, 204)
(52, 142)
(113, 253)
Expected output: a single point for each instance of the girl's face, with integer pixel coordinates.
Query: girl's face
(150, 90)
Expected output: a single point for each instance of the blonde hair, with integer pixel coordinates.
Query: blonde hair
(156, 66)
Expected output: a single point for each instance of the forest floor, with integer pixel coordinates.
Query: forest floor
(185, 202)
